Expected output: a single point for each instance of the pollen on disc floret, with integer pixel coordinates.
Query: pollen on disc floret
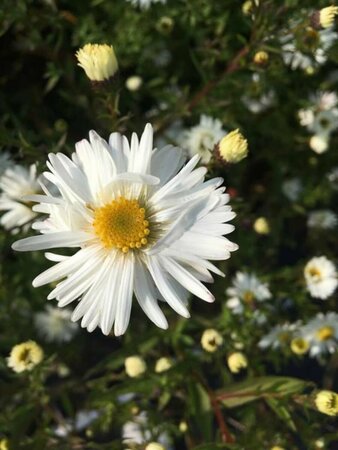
(122, 224)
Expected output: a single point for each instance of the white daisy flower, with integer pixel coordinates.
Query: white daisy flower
(296, 59)
(145, 4)
(325, 100)
(323, 219)
(280, 335)
(16, 183)
(137, 432)
(201, 139)
(144, 225)
(321, 333)
(246, 289)
(292, 188)
(321, 277)
(54, 324)
(325, 122)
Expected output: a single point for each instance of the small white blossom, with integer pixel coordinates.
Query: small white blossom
(278, 336)
(292, 188)
(145, 4)
(323, 219)
(322, 333)
(246, 289)
(54, 324)
(321, 277)
(201, 139)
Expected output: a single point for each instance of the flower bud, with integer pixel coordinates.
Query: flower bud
(299, 346)
(319, 143)
(163, 364)
(327, 402)
(327, 16)
(261, 58)
(237, 361)
(211, 340)
(98, 61)
(134, 83)
(154, 446)
(135, 366)
(261, 226)
(232, 148)
(25, 356)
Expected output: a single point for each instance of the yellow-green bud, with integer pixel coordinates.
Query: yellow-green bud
(327, 402)
(327, 16)
(299, 346)
(233, 147)
(163, 364)
(237, 361)
(135, 366)
(211, 340)
(261, 226)
(261, 58)
(98, 61)
(25, 356)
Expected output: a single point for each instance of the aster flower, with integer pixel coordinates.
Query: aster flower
(321, 333)
(16, 183)
(137, 432)
(246, 290)
(296, 59)
(54, 324)
(211, 340)
(322, 219)
(278, 336)
(202, 138)
(144, 225)
(321, 277)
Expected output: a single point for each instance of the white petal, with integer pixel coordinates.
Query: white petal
(52, 240)
(125, 295)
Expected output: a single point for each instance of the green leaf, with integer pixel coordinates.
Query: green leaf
(200, 408)
(256, 388)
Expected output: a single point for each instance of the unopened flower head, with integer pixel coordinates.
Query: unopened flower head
(17, 184)
(233, 147)
(261, 226)
(327, 16)
(237, 361)
(135, 366)
(134, 83)
(319, 143)
(321, 277)
(4, 444)
(163, 364)
(327, 402)
(154, 446)
(261, 58)
(98, 61)
(54, 324)
(183, 426)
(133, 213)
(211, 340)
(299, 346)
(25, 356)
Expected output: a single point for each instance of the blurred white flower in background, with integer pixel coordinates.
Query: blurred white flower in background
(137, 432)
(202, 138)
(321, 277)
(54, 324)
(321, 333)
(292, 189)
(246, 290)
(16, 183)
(322, 219)
(278, 336)
(5, 161)
(145, 4)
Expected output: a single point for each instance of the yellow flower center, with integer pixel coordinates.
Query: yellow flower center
(324, 333)
(122, 224)
(299, 346)
(248, 297)
(314, 272)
